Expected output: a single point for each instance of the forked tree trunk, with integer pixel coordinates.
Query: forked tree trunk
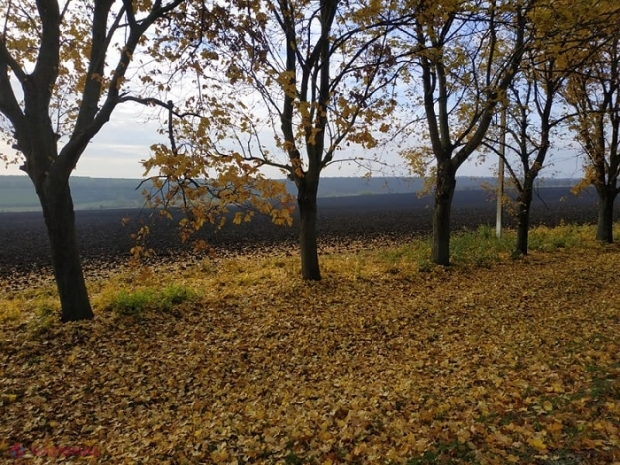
(444, 192)
(523, 220)
(55, 197)
(604, 229)
(306, 200)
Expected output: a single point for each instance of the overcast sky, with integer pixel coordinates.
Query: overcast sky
(117, 150)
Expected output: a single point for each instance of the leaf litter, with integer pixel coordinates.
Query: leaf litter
(378, 363)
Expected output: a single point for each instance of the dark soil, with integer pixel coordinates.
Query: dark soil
(344, 223)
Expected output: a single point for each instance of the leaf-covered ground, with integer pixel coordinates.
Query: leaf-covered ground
(518, 362)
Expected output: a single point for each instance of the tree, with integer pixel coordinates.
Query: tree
(466, 53)
(530, 105)
(315, 76)
(563, 37)
(70, 63)
(558, 44)
(593, 91)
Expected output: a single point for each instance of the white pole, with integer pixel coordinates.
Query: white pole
(500, 177)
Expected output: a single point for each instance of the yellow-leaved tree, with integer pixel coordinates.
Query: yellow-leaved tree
(466, 54)
(63, 70)
(202, 170)
(297, 81)
(593, 92)
(562, 36)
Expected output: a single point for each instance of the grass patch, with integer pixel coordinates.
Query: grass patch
(564, 236)
(481, 247)
(164, 300)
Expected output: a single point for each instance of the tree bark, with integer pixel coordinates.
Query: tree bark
(604, 229)
(523, 219)
(444, 192)
(55, 197)
(306, 200)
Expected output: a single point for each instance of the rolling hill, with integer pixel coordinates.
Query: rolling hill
(17, 192)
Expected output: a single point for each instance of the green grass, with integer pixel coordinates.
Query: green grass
(481, 247)
(135, 303)
(564, 236)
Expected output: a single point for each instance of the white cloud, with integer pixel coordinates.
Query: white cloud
(117, 150)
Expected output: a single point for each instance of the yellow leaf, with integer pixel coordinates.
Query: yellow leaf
(220, 456)
(554, 427)
(537, 443)
(9, 398)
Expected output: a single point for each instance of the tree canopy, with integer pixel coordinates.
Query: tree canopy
(297, 82)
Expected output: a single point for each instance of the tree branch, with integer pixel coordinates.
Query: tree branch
(91, 123)
(46, 67)
(7, 61)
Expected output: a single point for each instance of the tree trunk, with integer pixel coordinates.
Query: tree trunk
(604, 230)
(444, 192)
(523, 220)
(306, 199)
(55, 197)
